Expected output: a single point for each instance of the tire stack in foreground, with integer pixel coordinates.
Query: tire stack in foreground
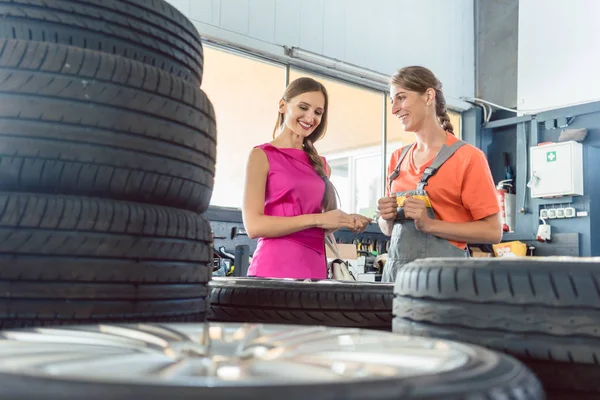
(107, 156)
(544, 312)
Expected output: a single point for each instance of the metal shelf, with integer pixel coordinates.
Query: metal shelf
(510, 236)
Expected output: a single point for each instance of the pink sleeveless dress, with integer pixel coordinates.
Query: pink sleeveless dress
(293, 188)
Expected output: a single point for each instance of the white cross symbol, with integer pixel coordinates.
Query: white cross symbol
(551, 156)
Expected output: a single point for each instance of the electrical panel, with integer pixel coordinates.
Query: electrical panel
(556, 170)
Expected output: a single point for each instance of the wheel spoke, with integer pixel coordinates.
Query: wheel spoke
(41, 360)
(284, 369)
(172, 370)
(129, 364)
(72, 336)
(163, 332)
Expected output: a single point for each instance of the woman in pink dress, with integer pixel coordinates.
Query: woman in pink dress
(289, 202)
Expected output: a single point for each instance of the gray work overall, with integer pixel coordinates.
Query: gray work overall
(407, 242)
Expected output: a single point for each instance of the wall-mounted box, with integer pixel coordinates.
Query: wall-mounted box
(556, 170)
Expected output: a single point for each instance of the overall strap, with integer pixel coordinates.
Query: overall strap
(396, 171)
(442, 156)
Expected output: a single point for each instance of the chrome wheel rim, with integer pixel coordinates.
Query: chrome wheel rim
(225, 355)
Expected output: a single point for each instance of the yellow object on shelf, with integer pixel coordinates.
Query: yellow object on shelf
(510, 249)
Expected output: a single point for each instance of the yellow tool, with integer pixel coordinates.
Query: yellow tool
(400, 199)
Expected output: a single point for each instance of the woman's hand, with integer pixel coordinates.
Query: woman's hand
(360, 223)
(335, 219)
(417, 210)
(387, 207)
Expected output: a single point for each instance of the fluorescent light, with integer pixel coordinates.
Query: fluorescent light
(341, 66)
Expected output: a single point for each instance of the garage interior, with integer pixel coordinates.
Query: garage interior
(126, 127)
(491, 53)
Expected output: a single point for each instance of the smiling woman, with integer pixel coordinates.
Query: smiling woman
(431, 212)
(289, 202)
(352, 145)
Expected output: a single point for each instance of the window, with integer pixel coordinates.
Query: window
(244, 93)
(340, 177)
(357, 177)
(368, 181)
(352, 144)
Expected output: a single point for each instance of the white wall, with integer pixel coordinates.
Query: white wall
(559, 53)
(381, 35)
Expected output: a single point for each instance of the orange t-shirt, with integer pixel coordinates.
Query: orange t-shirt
(462, 190)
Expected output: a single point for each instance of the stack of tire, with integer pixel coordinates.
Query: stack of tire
(545, 312)
(107, 157)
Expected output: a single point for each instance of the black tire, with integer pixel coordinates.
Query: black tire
(546, 312)
(76, 260)
(82, 122)
(28, 290)
(402, 368)
(62, 238)
(566, 395)
(39, 312)
(54, 323)
(150, 31)
(340, 304)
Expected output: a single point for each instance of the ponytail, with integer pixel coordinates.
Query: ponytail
(442, 112)
(329, 201)
(444, 119)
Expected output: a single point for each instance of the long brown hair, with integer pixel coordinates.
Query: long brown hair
(419, 79)
(296, 88)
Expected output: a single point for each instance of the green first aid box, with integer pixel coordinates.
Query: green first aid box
(556, 170)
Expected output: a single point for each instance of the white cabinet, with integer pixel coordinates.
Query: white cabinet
(556, 170)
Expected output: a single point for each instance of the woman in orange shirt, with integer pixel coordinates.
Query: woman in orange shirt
(440, 193)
